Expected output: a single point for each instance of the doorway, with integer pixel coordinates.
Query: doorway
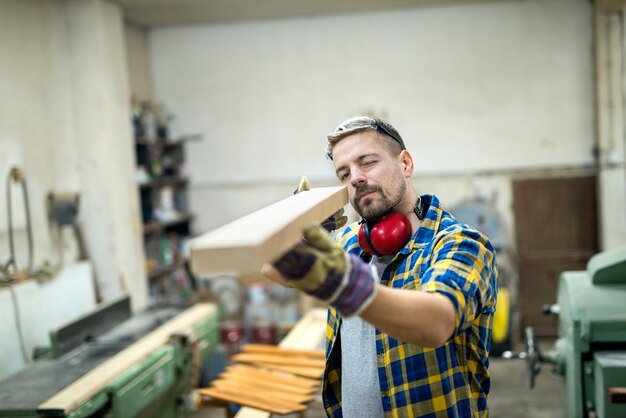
(556, 231)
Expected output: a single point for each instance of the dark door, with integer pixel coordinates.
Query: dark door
(556, 229)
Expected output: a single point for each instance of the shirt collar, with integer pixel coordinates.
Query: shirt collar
(429, 227)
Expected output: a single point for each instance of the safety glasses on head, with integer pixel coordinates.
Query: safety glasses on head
(361, 123)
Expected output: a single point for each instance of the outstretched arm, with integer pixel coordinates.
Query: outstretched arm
(420, 318)
(451, 291)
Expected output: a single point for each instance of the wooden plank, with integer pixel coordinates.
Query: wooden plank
(250, 399)
(274, 376)
(243, 246)
(307, 334)
(239, 386)
(95, 381)
(309, 372)
(279, 360)
(272, 384)
(276, 350)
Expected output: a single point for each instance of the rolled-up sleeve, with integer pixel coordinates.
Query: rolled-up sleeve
(463, 268)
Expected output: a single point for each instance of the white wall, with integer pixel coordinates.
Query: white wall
(65, 120)
(39, 307)
(36, 131)
(611, 82)
(488, 87)
(106, 149)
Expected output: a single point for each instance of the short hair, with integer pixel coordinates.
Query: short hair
(393, 140)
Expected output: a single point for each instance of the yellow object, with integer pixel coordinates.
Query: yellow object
(501, 317)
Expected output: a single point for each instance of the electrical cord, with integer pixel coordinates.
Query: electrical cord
(17, 176)
(18, 325)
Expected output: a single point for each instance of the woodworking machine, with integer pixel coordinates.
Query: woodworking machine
(590, 352)
(114, 364)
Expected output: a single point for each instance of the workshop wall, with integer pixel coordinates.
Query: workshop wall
(36, 130)
(64, 119)
(41, 306)
(610, 48)
(477, 91)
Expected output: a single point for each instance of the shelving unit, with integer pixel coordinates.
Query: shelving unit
(167, 222)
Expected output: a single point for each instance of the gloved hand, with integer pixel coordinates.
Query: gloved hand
(333, 222)
(319, 266)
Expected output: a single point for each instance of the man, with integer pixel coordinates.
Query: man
(409, 331)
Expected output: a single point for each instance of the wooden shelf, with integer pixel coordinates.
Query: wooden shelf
(159, 142)
(164, 181)
(154, 227)
(162, 161)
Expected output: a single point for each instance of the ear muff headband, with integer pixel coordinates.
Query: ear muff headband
(389, 233)
(385, 236)
(420, 209)
(368, 236)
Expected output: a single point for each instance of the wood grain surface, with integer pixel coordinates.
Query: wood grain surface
(244, 245)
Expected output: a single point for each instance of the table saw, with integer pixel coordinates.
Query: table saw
(112, 364)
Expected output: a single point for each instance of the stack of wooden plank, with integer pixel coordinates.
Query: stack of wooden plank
(270, 378)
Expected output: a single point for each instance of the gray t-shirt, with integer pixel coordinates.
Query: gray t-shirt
(360, 390)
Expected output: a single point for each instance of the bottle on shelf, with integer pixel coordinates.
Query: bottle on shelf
(148, 121)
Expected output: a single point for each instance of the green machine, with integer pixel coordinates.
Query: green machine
(112, 364)
(590, 352)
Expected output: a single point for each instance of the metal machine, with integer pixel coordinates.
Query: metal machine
(590, 352)
(112, 364)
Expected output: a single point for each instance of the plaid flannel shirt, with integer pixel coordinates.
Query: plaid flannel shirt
(452, 259)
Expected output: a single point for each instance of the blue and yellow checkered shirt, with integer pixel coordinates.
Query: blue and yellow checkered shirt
(457, 261)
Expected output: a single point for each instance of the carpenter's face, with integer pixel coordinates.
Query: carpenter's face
(375, 179)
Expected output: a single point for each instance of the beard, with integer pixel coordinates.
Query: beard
(375, 208)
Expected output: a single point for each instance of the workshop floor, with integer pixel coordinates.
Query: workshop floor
(509, 396)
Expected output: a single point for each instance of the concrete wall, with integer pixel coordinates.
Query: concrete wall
(36, 122)
(37, 307)
(611, 145)
(65, 120)
(480, 92)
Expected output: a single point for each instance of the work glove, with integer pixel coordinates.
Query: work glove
(318, 266)
(333, 222)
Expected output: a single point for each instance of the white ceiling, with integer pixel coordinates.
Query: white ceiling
(152, 13)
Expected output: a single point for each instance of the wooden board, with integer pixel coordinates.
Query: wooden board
(252, 399)
(279, 360)
(273, 384)
(95, 381)
(307, 334)
(277, 350)
(297, 382)
(243, 246)
(310, 372)
(267, 392)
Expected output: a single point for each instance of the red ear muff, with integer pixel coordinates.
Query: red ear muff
(387, 236)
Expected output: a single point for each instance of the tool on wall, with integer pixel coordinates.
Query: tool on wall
(11, 268)
(63, 209)
(63, 212)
